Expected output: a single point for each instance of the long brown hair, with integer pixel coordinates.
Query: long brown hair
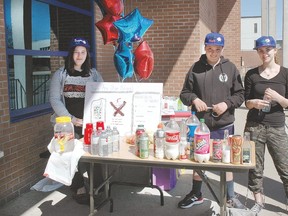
(69, 63)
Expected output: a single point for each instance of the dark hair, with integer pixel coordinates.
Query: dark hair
(69, 63)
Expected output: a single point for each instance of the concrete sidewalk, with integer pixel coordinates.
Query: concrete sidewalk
(146, 201)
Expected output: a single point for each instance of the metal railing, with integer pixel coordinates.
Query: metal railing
(18, 95)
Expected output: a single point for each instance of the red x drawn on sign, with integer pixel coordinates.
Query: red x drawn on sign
(118, 110)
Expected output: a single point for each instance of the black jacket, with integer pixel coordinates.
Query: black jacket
(214, 85)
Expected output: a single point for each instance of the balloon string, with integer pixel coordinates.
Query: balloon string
(135, 77)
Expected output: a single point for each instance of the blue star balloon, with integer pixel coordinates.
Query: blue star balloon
(132, 27)
(123, 61)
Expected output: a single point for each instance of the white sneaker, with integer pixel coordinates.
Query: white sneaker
(257, 208)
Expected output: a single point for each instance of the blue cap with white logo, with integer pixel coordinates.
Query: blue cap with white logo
(79, 42)
(214, 39)
(265, 41)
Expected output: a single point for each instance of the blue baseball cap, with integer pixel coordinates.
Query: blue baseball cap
(265, 41)
(214, 39)
(78, 41)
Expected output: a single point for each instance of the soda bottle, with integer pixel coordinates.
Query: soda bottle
(172, 131)
(246, 149)
(172, 140)
(192, 123)
(144, 145)
(140, 129)
(202, 142)
(115, 139)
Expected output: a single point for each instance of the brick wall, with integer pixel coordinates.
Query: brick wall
(229, 24)
(176, 39)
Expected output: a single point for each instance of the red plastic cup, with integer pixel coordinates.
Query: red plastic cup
(100, 124)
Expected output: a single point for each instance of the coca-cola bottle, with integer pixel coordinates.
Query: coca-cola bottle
(172, 139)
(202, 142)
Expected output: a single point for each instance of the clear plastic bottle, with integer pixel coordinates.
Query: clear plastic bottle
(192, 123)
(172, 140)
(63, 135)
(268, 107)
(226, 151)
(115, 139)
(159, 143)
(202, 142)
(95, 141)
(246, 149)
(183, 154)
(172, 131)
(103, 144)
(109, 139)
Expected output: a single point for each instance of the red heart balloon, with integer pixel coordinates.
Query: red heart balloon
(144, 60)
(108, 30)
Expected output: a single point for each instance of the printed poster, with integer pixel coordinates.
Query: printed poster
(124, 105)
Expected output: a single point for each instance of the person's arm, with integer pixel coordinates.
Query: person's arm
(187, 94)
(96, 75)
(56, 97)
(275, 96)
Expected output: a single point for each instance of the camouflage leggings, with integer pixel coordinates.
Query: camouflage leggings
(277, 144)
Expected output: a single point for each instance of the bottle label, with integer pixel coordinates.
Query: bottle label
(246, 158)
(172, 136)
(202, 145)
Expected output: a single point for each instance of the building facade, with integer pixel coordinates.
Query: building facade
(176, 40)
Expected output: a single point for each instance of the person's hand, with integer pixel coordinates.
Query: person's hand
(200, 105)
(272, 95)
(77, 122)
(219, 108)
(258, 103)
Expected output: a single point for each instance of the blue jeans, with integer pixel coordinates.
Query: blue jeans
(219, 133)
(276, 141)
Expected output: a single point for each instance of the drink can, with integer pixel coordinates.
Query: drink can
(236, 146)
(144, 145)
(217, 150)
(140, 129)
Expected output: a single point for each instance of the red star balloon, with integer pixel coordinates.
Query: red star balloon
(113, 7)
(144, 60)
(107, 29)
